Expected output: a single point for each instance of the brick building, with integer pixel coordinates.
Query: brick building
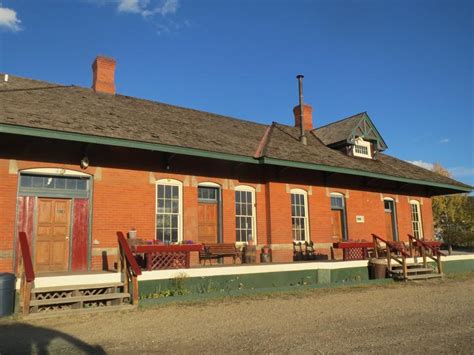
(78, 164)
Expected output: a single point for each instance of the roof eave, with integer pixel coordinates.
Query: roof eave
(120, 142)
(333, 169)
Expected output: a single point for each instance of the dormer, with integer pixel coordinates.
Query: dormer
(355, 136)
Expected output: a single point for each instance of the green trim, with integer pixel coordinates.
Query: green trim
(334, 169)
(118, 142)
(78, 137)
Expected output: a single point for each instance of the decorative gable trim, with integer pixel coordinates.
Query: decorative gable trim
(366, 129)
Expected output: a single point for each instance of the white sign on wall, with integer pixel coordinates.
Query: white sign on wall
(360, 219)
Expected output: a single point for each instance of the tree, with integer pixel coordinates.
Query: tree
(453, 216)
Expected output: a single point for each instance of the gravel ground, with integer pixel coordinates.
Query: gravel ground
(425, 317)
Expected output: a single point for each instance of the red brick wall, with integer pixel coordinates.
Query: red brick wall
(125, 197)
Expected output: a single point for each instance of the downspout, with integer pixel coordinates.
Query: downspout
(300, 88)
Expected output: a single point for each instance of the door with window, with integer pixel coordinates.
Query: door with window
(208, 214)
(52, 234)
(391, 232)
(338, 217)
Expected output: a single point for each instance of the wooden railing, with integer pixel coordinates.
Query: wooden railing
(426, 251)
(393, 251)
(128, 266)
(27, 274)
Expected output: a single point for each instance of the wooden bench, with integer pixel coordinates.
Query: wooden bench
(219, 250)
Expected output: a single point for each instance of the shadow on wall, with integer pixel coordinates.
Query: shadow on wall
(20, 338)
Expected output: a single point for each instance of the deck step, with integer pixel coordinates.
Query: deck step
(64, 313)
(76, 299)
(424, 276)
(409, 266)
(76, 287)
(413, 271)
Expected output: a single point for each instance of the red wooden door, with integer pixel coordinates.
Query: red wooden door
(207, 222)
(336, 223)
(52, 235)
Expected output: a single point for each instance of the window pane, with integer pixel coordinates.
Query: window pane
(70, 184)
(161, 191)
(175, 192)
(167, 191)
(49, 183)
(26, 181)
(82, 184)
(159, 235)
(37, 181)
(174, 235)
(167, 235)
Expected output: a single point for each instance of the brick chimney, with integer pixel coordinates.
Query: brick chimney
(104, 75)
(307, 117)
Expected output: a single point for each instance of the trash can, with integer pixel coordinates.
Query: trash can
(378, 268)
(7, 294)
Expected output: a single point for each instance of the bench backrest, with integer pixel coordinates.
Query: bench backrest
(220, 248)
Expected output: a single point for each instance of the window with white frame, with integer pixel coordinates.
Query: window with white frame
(168, 211)
(299, 215)
(245, 214)
(362, 148)
(416, 219)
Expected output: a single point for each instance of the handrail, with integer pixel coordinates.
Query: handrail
(27, 273)
(128, 254)
(26, 257)
(392, 247)
(426, 245)
(129, 267)
(423, 248)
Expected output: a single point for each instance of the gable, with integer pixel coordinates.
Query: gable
(366, 129)
(345, 131)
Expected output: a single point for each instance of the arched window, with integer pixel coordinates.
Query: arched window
(299, 215)
(417, 226)
(245, 213)
(169, 211)
(338, 218)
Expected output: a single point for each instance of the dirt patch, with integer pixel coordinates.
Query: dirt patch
(426, 317)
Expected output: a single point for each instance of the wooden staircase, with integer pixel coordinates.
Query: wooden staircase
(415, 271)
(396, 254)
(46, 300)
(61, 300)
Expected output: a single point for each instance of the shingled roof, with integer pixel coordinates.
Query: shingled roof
(39, 108)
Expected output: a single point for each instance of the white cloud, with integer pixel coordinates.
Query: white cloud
(167, 7)
(146, 8)
(444, 140)
(9, 19)
(421, 164)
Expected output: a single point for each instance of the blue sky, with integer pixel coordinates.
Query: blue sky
(409, 64)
